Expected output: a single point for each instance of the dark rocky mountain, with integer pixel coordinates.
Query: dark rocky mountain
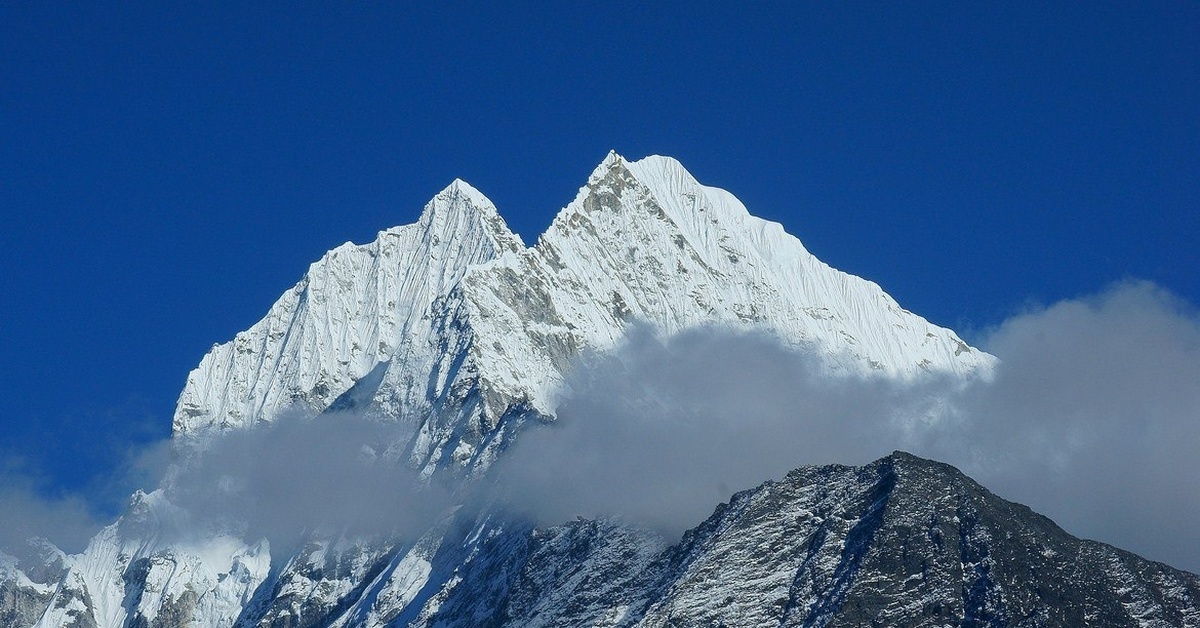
(902, 541)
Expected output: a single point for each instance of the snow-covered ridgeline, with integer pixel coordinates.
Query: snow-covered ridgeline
(644, 241)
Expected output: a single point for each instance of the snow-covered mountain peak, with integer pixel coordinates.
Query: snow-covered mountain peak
(354, 308)
(607, 163)
(459, 203)
(460, 187)
(455, 303)
(645, 242)
(702, 213)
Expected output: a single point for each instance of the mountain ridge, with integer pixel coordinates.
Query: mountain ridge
(901, 541)
(670, 181)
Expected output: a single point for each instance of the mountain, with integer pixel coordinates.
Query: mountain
(455, 326)
(899, 542)
(456, 335)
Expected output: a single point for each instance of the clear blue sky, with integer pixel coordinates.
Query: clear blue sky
(168, 169)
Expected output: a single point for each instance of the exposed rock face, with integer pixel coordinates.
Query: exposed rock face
(21, 606)
(27, 584)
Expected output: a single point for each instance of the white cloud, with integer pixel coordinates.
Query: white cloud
(27, 512)
(1093, 418)
(301, 474)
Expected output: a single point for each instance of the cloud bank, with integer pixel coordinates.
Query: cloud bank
(303, 474)
(664, 429)
(1092, 418)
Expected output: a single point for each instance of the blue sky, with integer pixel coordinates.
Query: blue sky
(167, 170)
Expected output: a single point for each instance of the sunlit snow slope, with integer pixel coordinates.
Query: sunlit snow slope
(449, 323)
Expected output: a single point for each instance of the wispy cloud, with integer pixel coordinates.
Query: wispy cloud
(303, 474)
(28, 510)
(106, 468)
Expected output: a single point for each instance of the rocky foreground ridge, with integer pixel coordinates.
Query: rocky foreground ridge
(902, 541)
(458, 336)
